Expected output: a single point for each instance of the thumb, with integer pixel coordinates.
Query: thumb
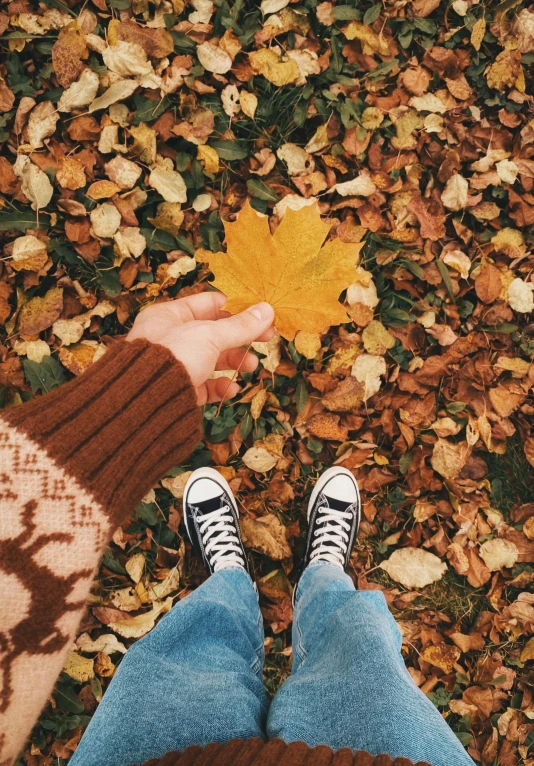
(243, 328)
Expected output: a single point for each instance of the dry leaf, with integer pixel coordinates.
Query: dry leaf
(520, 296)
(499, 553)
(168, 182)
(414, 567)
(266, 535)
(376, 339)
(67, 54)
(29, 253)
(308, 343)
(443, 656)
(41, 123)
(369, 369)
(80, 93)
(213, 59)
(285, 269)
(136, 627)
(40, 313)
(117, 92)
(107, 643)
(259, 459)
(81, 669)
(454, 196)
(448, 458)
(35, 183)
(271, 64)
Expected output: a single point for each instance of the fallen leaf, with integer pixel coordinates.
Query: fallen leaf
(168, 182)
(442, 656)
(499, 553)
(136, 627)
(259, 459)
(107, 643)
(368, 369)
(81, 669)
(35, 183)
(414, 567)
(40, 313)
(266, 535)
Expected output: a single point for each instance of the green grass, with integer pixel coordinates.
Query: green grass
(511, 477)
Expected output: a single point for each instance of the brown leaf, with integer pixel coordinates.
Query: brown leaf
(156, 42)
(67, 54)
(326, 426)
(443, 656)
(488, 284)
(40, 313)
(266, 535)
(346, 397)
(7, 97)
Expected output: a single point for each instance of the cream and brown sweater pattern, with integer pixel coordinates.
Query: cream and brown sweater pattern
(73, 464)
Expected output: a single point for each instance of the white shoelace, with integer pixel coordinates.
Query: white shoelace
(225, 549)
(336, 532)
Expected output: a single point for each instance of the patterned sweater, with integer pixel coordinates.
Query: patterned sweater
(73, 464)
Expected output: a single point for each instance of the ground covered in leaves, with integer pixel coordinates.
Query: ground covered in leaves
(130, 131)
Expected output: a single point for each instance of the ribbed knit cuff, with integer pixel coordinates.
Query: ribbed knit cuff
(276, 752)
(120, 426)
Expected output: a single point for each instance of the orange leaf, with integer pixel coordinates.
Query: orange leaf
(292, 270)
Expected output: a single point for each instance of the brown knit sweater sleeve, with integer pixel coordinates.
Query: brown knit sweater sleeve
(276, 752)
(73, 464)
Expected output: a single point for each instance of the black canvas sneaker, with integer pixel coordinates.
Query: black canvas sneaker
(212, 521)
(334, 514)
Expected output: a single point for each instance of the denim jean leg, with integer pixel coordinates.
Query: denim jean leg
(196, 678)
(349, 686)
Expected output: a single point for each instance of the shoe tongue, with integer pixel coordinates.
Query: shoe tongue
(213, 504)
(336, 505)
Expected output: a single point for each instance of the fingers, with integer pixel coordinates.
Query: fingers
(215, 389)
(237, 359)
(200, 306)
(267, 335)
(243, 328)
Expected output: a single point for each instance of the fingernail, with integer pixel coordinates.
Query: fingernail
(262, 311)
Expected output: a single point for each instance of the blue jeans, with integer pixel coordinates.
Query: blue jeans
(197, 678)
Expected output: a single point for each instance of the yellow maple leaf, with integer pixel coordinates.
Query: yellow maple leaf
(292, 269)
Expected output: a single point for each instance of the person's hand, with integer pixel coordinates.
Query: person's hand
(205, 339)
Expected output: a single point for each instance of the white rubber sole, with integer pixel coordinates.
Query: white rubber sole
(335, 470)
(206, 473)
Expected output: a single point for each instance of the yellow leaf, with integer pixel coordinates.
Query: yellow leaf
(79, 668)
(292, 270)
(269, 64)
(249, 104)
(145, 140)
(528, 651)
(169, 217)
(477, 33)
(308, 343)
(372, 43)
(135, 566)
(209, 157)
(504, 71)
(376, 339)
